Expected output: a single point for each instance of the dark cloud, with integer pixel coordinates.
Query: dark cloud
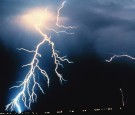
(107, 25)
(104, 26)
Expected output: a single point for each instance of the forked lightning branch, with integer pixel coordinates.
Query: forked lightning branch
(27, 87)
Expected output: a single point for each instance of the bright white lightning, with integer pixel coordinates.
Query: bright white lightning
(57, 21)
(119, 56)
(30, 78)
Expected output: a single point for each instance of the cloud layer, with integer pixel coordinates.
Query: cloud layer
(105, 26)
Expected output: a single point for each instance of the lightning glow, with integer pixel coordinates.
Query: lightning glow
(27, 93)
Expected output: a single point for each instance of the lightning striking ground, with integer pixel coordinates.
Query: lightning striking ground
(27, 93)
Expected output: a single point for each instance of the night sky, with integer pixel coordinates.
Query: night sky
(104, 28)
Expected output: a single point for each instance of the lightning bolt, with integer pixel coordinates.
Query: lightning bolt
(57, 22)
(119, 56)
(122, 97)
(27, 93)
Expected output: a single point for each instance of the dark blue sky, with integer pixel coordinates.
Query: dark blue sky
(104, 27)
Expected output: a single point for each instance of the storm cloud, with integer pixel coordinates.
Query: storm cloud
(104, 26)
